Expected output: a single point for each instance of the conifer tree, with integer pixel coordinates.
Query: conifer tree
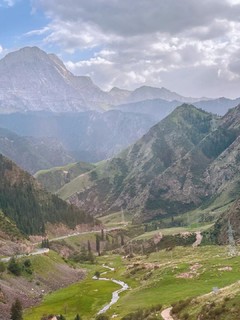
(16, 310)
(98, 244)
(89, 246)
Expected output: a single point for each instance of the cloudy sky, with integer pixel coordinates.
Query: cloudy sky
(188, 46)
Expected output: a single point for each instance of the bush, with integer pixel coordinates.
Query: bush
(2, 267)
(14, 267)
(102, 317)
(16, 310)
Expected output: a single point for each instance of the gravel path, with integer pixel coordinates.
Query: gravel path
(198, 239)
(34, 253)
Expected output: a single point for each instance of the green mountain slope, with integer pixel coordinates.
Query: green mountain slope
(29, 206)
(8, 229)
(127, 181)
(55, 178)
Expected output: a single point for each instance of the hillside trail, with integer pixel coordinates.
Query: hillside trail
(115, 294)
(33, 253)
(166, 314)
(198, 239)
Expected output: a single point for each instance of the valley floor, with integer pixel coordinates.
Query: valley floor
(163, 277)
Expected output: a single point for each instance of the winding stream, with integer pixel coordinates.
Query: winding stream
(115, 294)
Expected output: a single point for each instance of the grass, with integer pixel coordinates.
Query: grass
(152, 279)
(172, 231)
(116, 219)
(228, 296)
(164, 287)
(85, 298)
(77, 184)
(44, 171)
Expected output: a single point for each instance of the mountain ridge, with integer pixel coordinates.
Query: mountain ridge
(31, 79)
(136, 166)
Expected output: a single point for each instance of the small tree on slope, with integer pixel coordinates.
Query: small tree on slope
(16, 310)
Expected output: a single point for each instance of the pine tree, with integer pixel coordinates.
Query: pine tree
(77, 317)
(102, 234)
(122, 239)
(16, 310)
(98, 244)
(89, 246)
(14, 267)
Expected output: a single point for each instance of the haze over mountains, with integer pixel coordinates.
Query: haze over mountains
(85, 136)
(33, 82)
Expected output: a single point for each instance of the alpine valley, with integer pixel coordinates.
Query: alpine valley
(142, 186)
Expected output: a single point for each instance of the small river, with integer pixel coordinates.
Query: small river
(115, 294)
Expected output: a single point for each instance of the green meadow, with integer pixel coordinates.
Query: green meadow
(162, 277)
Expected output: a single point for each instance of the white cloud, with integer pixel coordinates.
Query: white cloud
(38, 32)
(8, 3)
(147, 41)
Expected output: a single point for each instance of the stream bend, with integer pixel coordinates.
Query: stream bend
(115, 294)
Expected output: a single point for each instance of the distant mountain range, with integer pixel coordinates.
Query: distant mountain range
(87, 136)
(40, 98)
(189, 160)
(33, 154)
(32, 80)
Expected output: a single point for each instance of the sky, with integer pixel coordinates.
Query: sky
(188, 46)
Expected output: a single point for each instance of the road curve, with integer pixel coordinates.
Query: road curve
(34, 253)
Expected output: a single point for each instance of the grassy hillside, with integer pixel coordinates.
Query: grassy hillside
(189, 160)
(124, 181)
(8, 228)
(163, 277)
(55, 178)
(39, 276)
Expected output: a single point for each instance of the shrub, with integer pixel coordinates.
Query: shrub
(14, 267)
(16, 310)
(102, 317)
